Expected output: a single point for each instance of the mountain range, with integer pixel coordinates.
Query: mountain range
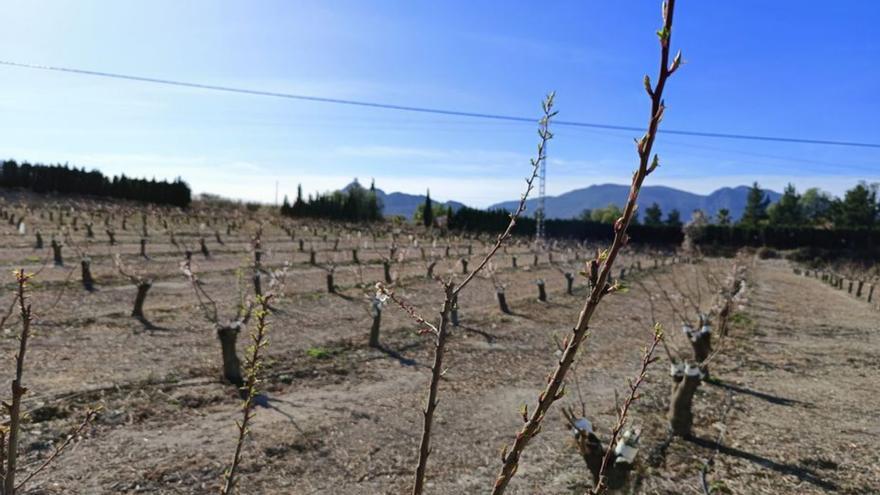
(572, 203)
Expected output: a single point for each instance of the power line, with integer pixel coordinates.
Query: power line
(437, 111)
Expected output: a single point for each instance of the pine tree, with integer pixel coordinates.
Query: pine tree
(653, 216)
(756, 207)
(787, 211)
(858, 208)
(723, 217)
(673, 219)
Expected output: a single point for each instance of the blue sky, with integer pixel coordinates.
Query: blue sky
(791, 68)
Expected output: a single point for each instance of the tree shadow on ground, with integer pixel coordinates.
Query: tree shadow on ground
(343, 296)
(800, 472)
(482, 333)
(150, 326)
(773, 399)
(397, 354)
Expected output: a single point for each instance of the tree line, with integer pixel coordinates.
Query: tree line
(813, 219)
(653, 216)
(64, 179)
(354, 204)
(475, 220)
(858, 208)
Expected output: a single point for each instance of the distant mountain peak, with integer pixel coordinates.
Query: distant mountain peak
(398, 203)
(572, 203)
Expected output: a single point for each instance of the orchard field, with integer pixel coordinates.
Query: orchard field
(789, 406)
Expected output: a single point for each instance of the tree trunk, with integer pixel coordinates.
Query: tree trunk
(39, 241)
(228, 335)
(502, 302)
(377, 323)
(701, 343)
(87, 280)
(56, 253)
(142, 288)
(144, 248)
(569, 282)
(513, 261)
(204, 248)
(681, 416)
(354, 257)
(386, 268)
(464, 266)
(258, 283)
(593, 454)
(331, 288)
(431, 266)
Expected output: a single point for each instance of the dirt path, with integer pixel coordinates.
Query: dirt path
(805, 391)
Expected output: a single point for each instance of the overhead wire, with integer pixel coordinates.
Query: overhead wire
(436, 111)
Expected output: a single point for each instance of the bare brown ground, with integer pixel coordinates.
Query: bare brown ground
(799, 371)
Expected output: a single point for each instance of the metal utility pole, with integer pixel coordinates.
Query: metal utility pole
(540, 235)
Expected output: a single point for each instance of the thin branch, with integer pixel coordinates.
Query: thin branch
(383, 292)
(654, 321)
(253, 367)
(684, 294)
(208, 305)
(623, 411)
(87, 420)
(18, 390)
(451, 296)
(675, 310)
(708, 463)
(599, 268)
(546, 135)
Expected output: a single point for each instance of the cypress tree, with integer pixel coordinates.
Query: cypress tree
(428, 213)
